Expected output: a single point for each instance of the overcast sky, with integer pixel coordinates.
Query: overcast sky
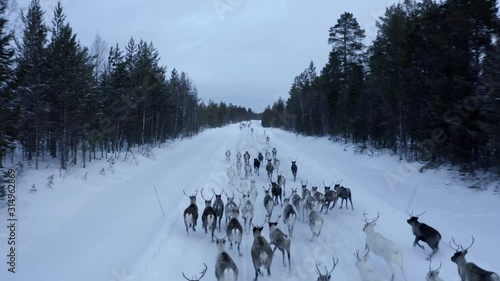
(245, 52)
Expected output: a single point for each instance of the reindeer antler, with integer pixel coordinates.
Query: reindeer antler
(459, 247)
(334, 265)
(430, 262)
(196, 278)
(203, 197)
(470, 243)
(335, 262)
(412, 215)
(374, 220)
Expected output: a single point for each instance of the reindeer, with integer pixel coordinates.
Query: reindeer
(267, 140)
(269, 169)
(281, 181)
(248, 171)
(318, 196)
(280, 240)
(268, 154)
(276, 164)
(469, 271)
(425, 233)
(234, 233)
(230, 175)
(261, 157)
(238, 156)
(232, 210)
(238, 166)
(247, 211)
(344, 194)
(209, 216)
(307, 201)
(315, 221)
(366, 273)
(262, 254)
(330, 196)
(274, 152)
(191, 212)
(246, 156)
(328, 274)
(268, 202)
(297, 203)
(218, 206)
(433, 275)
(196, 278)
(382, 246)
(225, 267)
(277, 192)
(294, 169)
(289, 216)
(256, 165)
(253, 193)
(228, 155)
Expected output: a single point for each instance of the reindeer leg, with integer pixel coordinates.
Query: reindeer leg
(415, 243)
(350, 200)
(283, 252)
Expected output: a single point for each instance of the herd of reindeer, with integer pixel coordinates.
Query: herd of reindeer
(307, 208)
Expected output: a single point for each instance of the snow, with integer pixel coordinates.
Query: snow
(110, 227)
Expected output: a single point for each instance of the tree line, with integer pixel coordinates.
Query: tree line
(62, 100)
(426, 88)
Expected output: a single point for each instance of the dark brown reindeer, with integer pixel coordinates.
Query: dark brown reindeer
(425, 233)
(191, 212)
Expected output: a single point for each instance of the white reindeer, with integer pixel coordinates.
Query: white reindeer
(253, 193)
(366, 273)
(433, 275)
(230, 175)
(247, 212)
(383, 247)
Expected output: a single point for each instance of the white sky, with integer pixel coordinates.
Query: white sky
(247, 54)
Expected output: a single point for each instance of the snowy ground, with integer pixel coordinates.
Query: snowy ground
(110, 227)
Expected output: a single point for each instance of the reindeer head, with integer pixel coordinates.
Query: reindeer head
(229, 199)
(294, 191)
(274, 225)
(220, 242)
(208, 202)
(369, 226)
(304, 185)
(413, 220)
(362, 260)
(266, 191)
(257, 230)
(327, 187)
(192, 198)
(314, 188)
(196, 278)
(286, 201)
(432, 274)
(328, 274)
(460, 252)
(217, 196)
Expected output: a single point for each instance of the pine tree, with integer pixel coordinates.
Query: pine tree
(32, 88)
(9, 108)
